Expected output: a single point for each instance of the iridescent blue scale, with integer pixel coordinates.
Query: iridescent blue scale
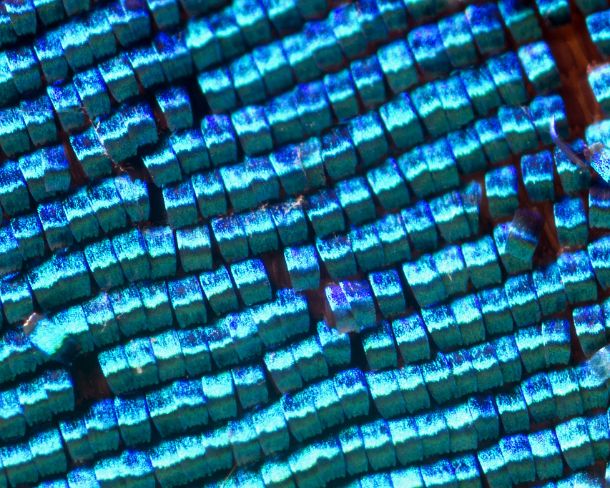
(14, 137)
(287, 166)
(203, 43)
(455, 101)
(338, 153)
(575, 443)
(162, 165)
(524, 235)
(486, 366)
(142, 365)
(131, 251)
(564, 385)
(438, 380)
(168, 355)
(252, 129)
(368, 79)
(597, 252)
(128, 310)
(419, 224)
(99, 35)
(231, 238)
(449, 216)
(577, 276)
(187, 301)
(13, 188)
(411, 338)
(441, 165)
(38, 118)
(430, 110)
(486, 27)
(313, 107)
(556, 336)
(545, 109)
(512, 264)
(482, 262)
(219, 139)
(507, 353)
(103, 264)
(520, 20)
(309, 359)
(513, 411)
(481, 89)
(323, 44)
(220, 345)
(428, 49)
(243, 336)
(189, 147)
(180, 204)
(74, 436)
(414, 169)
(218, 290)
(557, 12)
(19, 464)
(81, 216)
(539, 66)
(173, 54)
(492, 139)
(413, 387)
(161, 246)
(27, 230)
(378, 445)
(599, 204)
(401, 122)
(366, 247)
(591, 385)
(434, 435)
(209, 193)
(195, 350)
(530, 343)
(22, 64)
(92, 92)
(506, 73)
(32, 167)
(457, 39)
(537, 174)
(462, 367)
(518, 129)
(217, 88)
(133, 420)
(598, 25)
(469, 318)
